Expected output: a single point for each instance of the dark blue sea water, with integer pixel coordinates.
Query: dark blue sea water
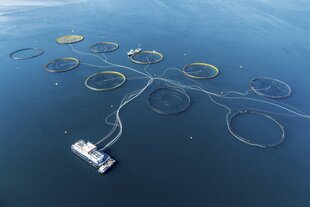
(157, 162)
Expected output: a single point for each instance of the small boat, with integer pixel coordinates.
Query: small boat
(139, 49)
(131, 52)
(107, 165)
(135, 51)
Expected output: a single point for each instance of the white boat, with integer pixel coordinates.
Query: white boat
(106, 166)
(135, 51)
(88, 152)
(131, 52)
(139, 49)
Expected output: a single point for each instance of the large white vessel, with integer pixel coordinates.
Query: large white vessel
(88, 152)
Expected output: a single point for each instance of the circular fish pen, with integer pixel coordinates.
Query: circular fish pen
(147, 57)
(169, 101)
(69, 39)
(103, 47)
(62, 65)
(105, 81)
(26, 53)
(200, 70)
(247, 140)
(270, 87)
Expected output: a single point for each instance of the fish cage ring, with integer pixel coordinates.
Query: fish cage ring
(69, 39)
(26, 53)
(105, 81)
(62, 65)
(270, 87)
(147, 57)
(169, 100)
(200, 70)
(246, 140)
(103, 47)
